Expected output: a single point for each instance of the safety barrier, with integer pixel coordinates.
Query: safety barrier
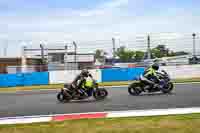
(104, 75)
(36, 78)
(121, 74)
(24, 79)
(183, 71)
(56, 77)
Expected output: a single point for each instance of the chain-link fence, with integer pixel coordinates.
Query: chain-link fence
(141, 50)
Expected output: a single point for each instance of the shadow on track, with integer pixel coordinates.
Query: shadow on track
(154, 94)
(84, 101)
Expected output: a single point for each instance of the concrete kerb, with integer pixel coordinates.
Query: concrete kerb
(95, 115)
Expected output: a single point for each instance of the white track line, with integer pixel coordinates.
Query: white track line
(24, 120)
(153, 112)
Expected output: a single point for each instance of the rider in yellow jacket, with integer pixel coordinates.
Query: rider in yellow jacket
(151, 76)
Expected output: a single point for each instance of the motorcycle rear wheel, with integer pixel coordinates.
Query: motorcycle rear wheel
(135, 89)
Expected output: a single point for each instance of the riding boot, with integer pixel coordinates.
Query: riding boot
(82, 91)
(156, 86)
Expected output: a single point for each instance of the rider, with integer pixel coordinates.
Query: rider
(81, 80)
(151, 76)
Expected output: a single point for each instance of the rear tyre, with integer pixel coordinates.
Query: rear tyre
(135, 89)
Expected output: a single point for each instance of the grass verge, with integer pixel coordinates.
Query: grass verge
(167, 124)
(58, 86)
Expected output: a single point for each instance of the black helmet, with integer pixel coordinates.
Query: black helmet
(155, 66)
(84, 72)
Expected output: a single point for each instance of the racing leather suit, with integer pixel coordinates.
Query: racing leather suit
(78, 81)
(81, 80)
(151, 76)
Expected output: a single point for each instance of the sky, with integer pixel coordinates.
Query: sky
(33, 21)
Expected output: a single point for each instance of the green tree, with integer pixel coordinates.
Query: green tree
(139, 55)
(160, 51)
(179, 53)
(156, 53)
(163, 49)
(100, 55)
(124, 54)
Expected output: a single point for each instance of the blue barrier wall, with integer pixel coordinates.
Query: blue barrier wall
(36, 78)
(121, 74)
(9, 80)
(24, 79)
(42, 78)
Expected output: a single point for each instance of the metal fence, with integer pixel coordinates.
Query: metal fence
(26, 69)
(90, 54)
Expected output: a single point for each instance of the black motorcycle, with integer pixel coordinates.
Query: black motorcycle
(69, 93)
(141, 85)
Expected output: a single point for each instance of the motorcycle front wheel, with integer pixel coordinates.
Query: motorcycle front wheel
(100, 94)
(168, 88)
(61, 97)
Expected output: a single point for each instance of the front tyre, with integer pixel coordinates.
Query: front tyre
(168, 88)
(100, 94)
(62, 97)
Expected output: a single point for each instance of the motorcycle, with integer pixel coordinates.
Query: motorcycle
(165, 85)
(69, 93)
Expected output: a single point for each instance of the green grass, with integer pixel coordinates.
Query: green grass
(187, 80)
(26, 88)
(160, 124)
(58, 86)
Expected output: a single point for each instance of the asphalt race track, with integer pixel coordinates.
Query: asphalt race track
(45, 102)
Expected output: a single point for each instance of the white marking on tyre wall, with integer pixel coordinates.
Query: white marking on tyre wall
(153, 112)
(24, 120)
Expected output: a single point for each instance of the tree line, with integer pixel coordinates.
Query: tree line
(125, 54)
